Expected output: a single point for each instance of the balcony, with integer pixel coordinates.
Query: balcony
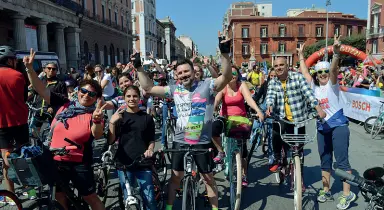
(376, 31)
(282, 35)
(319, 35)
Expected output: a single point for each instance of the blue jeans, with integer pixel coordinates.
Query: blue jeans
(165, 116)
(144, 178)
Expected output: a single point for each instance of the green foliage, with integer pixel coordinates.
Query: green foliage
(357, 41)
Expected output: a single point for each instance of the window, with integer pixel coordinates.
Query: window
(110, 14)
(126, 3)
(349, 30)
(359, 29)
(301, 30)
(133, 5)
(282, 31)
(94, 7)
(263, 48)
(337, 30)
(374, 46)
(116, 18)
(245, 48)
(245, 32)
(262, 14)
(319, 30)
(299, 43)
(282, 47)
(122, 22)
(103, 12)
(264, 31)
(262, 7)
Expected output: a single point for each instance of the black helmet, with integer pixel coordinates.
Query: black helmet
(70, 83)
(6, 52)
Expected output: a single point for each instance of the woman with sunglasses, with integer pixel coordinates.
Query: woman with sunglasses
(233, 107)
(332, 134)
(80, 121)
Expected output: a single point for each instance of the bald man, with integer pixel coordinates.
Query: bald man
(287, 97)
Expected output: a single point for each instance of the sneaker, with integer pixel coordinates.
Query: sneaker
(324, 196)
(244, 181)
(345, 201)
(274, 166)
(219, 158)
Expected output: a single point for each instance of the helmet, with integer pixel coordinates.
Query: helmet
(70, 83)
(7, 52)
(322, 65)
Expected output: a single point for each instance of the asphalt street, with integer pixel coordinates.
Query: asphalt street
(264, 193)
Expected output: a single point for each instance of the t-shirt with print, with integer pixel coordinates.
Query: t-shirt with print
(328, 97)
(194, 111)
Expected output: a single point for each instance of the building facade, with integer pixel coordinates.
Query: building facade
(144, 26)
(266, 38)
(188, 43)
(160, 40)
(375, 27)
(264, 9)
(170, 38)
(68, 28)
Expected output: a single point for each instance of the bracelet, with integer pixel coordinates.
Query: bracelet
(336, 55)
(97, 121)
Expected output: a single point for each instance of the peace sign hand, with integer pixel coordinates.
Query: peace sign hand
(301, 49)
(224, 42)
(28, 60)
(151, 56)
(117, 116)
(98, 114)
(336, 45)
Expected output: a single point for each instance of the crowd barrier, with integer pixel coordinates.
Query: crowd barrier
(359, 103)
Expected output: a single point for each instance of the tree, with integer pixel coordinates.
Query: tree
(357, 41)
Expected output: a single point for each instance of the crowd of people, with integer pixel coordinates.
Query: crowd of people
(127, 94)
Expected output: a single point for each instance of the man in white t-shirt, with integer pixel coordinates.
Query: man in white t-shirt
(105, 81)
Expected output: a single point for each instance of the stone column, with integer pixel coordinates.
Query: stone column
(42, 36)
(60, 47)
(19, 32)
(73, 46)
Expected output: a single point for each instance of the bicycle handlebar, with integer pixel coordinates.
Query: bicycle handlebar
(66, 149)
(188, 150)
(311, 117)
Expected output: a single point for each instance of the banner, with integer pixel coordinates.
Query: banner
(359, 104)
(31, 37)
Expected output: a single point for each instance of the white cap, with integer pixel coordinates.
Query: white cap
(322, 65)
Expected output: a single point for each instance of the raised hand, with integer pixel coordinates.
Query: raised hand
(118, 115)
(135, 58)
(98, 114)
(28, 60)
(336, 44)
(206, 60)
(194, 57)
(151, 56)
(301, 49)
(224, 42)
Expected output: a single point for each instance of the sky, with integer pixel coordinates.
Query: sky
(201, 19)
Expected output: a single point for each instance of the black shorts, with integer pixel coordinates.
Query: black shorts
(14, 136)
(81, 176)
(204, 162)
(218, 129)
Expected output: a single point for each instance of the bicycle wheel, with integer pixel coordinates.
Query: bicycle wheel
(10, 201)
(376, 127)
(255, 145)
(159, 194)
(297, 185)
(101, 179)
(235, 182)
(369, 123)
(134, 207)
(47, 204)
(169, 134)
(189, 202)
(160, 165)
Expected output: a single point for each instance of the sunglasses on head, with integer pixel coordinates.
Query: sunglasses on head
(325, 71)
(90, 93)
(51, 68)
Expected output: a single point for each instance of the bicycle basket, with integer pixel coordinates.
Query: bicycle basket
(35, 171)
(309, 136)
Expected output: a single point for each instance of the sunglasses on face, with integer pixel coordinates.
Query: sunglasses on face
(90, 93)
(51, 68)
(272, 76)
(326, 71)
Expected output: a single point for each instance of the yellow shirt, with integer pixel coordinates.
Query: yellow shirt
(255, 78)
(288, 112)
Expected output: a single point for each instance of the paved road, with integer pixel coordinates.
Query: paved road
(264, 193)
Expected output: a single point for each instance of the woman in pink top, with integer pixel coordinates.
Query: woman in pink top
(232, 97)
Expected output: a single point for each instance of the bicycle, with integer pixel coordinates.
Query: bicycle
(133, 202)
(374, 125)
(10, 198)
(192, 180)
(292, 167)
(170, 127)
(35, 135)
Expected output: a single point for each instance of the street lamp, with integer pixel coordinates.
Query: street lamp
(328, 3)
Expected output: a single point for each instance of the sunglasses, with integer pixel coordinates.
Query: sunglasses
(326, 71)
(272, 76)
(234, 73)
(51, 68)
(90, 93)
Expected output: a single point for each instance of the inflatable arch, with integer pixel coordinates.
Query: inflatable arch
(344, 49)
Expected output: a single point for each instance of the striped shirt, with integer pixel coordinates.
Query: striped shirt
(298, 92)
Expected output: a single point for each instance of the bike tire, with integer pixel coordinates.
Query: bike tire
(235, 185)
(255, 144)
(13, 197)
(298, 192)
(170, 134)
(101, 179)
(368, 125)
(159, 193)
(376, 128)
(46, 204)
(133, 207)
(189, 199)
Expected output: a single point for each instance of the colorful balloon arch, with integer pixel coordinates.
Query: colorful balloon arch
(344, 49)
